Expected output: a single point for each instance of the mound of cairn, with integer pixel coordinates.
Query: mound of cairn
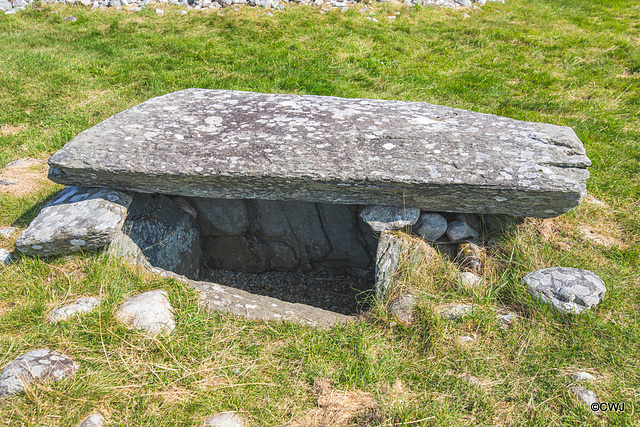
(255, 183)
(13, 6)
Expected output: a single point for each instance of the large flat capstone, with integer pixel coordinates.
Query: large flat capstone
(245, 145)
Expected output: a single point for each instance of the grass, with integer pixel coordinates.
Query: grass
(567, 62)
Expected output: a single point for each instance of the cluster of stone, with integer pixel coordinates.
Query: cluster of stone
(13, 6)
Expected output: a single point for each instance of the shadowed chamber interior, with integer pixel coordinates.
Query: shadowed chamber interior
(314, 253)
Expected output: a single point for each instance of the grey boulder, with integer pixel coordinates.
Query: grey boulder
(34, 367)
(569, 290)
(79, 218)
(431, 226)
(168, 237)
(150, 312)
(383, 218)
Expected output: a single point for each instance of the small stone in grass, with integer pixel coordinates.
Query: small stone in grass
(7, 231)
(402, 308)
(94, 420)
(70, 18)
(150, 312)
(225, 419)
(81, 305)
(587, 397)
(455, 311)
(5, 257)
(581, 376)
(35, 367)
(469, 279)
(160, 12)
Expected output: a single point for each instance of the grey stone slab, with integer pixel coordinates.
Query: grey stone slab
(167, 236)
(220, 217)
(230, 144)
(33, 367)
(79, 218)
(569, 290)
(214, 296)
(388, 257)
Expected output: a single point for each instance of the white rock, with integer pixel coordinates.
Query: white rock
(81, 305)
(34, 367)
(160, 12)
(471, 380)
(465, 339)
(225, 419)
(5, 257)
(7, 231)
(94, 420)
(585, 396)
(581, 376)
(150, 311)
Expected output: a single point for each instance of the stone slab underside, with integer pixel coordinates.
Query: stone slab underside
(230, 144)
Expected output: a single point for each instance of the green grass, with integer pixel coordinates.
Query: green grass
(567, 62)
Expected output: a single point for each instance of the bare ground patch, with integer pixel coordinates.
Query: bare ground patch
(11, 129)
(25, 176)
(336, 407)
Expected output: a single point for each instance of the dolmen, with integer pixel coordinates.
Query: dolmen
(259, 182)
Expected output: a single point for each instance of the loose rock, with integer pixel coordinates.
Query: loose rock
(581, 376)
(7, 231)
(150, 312)
(431, 226)
(225, 419)
(34, 367)
(465, 339)
(79, 218)
(469, 279)
(5, 257)
(587, 397)
(94, 420)
(383, 218)
(402, 308)
(505, 321)
(471, 380)
(456, 311)
(460, 230)
(81, 305)
(569, 290)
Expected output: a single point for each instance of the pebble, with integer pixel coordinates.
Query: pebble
(81, 305)
(70, 18)
(150, 312)
(505, 321)
(471, 380)
(465, 339)
(225, 419)
(94, 420)
(402, 308)
(581, 376)
(34, 367)
(160, 12)
(7, 231)
(469, 279)
(5, 256)
(183, 12)
(8, 181)
(456, 311)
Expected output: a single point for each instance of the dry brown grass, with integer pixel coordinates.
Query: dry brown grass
(335, 408)
(30, 175)
(11, 129)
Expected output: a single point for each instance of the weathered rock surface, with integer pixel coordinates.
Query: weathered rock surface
(230, 144)
(569, 290)
(167, 236)
(150, 312)
(402, 308)
(456, 311)
(94, 420)
(81, 305)
(241, 303)
(125, 248)
(383, 218)
(431, 226)
(7, 231)
(388, 257)
(225, 419)
(79, 218)
(469, 279)
(34, 367)
(506, 320)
